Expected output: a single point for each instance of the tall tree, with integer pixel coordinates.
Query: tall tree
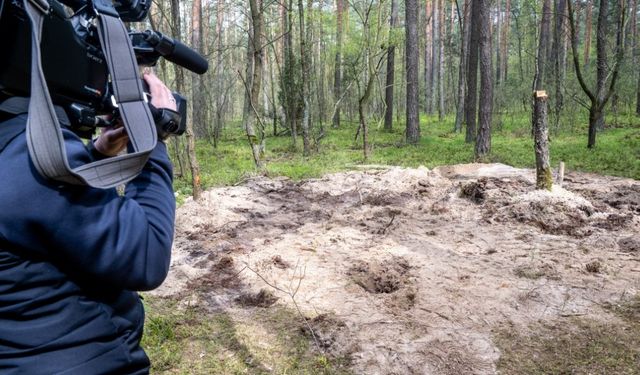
(428, 61)
(559, 56)
(471, 98)
(220, 98)
(600, 96)
(504, 42)
(337, 78)
(391, 53)
(587, 32)
(483, 142)
(306, 79)
(441, 66)
(411, 52)
(254, 137)
(464, 26)
(198, 99)
(540, 79)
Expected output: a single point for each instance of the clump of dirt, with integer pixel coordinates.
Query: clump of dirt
(613, 221)
(536, 270)
(381, 277)
(326, 330)
(594, 266)
(475, 191)
(222, 275)
(278, 262)
(264, 298)
(630, 244)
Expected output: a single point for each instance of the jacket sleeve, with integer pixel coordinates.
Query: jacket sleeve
(124, 241)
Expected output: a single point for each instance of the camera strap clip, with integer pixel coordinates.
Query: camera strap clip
(42, 5)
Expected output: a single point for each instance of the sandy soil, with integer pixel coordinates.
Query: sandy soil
(410, 271)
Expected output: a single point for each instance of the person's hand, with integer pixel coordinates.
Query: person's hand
(161, 96)
(112, 140)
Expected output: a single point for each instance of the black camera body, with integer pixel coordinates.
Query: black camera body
(73, 61)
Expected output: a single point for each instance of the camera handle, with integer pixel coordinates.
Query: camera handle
(44, 136)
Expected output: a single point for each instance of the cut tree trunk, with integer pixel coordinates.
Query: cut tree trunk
(544, 179)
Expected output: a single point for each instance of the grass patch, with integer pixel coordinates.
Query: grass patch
(617, 152)
(575, 346)
(182, 340)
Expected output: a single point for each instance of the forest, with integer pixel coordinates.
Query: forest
(403, 187)
(292, 77)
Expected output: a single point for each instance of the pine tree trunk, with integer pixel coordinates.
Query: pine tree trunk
(337, 78)
(412, 57)
(472, 73)
(428, 59)
(543, 46)
(176, 33)
(196, 41)
(391, 53)
(462, 68)
(305, 67)
(559, 57)
(255, 138)
(441, 66)
(218, 89)
(504, 40)
(483, 142)
(435, 56)
(602, 66)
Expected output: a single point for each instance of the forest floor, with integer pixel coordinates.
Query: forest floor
(463, 269)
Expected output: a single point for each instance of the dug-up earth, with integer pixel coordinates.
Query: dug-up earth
(413, 271)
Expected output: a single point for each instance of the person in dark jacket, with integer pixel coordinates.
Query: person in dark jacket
(72, 257)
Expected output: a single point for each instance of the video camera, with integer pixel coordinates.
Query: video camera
(73, 60)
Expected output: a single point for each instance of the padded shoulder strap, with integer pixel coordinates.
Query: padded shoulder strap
(44, 136)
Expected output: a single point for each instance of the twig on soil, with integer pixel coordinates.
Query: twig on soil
(292, 294)
(569, 315)
(393, 216)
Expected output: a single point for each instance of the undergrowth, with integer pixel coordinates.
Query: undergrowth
(576, 345)
(189, 340)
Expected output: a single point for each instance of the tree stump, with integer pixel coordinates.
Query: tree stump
(541, 140)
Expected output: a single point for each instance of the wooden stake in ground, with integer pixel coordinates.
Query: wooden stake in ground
(541, 139)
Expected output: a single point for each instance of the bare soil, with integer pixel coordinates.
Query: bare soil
(412, 271)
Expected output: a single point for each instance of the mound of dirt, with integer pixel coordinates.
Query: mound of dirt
(555, 212)
(403, 273)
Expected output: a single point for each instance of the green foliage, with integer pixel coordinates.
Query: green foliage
(617, 152)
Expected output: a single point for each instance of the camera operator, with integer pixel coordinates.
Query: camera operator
(72, 257)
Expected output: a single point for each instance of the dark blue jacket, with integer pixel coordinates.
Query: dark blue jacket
(71, 259)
